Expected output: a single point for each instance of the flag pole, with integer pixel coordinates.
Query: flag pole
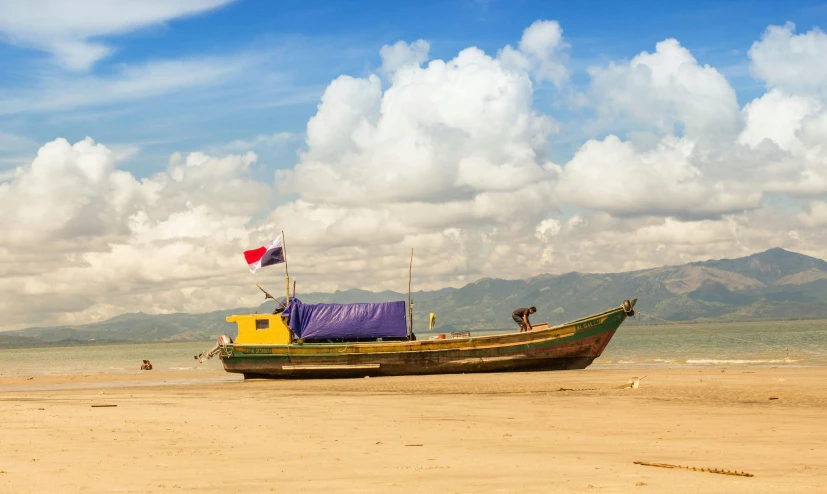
(286, 273)
(410, 303)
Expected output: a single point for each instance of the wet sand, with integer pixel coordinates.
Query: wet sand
(462, 433)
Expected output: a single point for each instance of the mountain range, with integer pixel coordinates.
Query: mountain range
(775, 284)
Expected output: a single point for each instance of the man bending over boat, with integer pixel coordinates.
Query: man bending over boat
(520, 316)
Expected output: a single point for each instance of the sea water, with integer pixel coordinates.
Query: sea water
(760, 343)
(110, 359)
(754, 343)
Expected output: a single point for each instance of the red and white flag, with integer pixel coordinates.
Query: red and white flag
(272, 253)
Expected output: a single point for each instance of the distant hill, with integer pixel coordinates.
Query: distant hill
(770, 266)
(775, 284)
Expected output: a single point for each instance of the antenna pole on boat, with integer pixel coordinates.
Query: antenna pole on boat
(410, 304)
(286, 273)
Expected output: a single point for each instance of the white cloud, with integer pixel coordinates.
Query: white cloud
(68, 192)
(543, 44)
(542, 50)
(815, 216)
(449, 160)
(402, 54)
(448, 131)
(791, 62)
(787, 126)
(786, 134)
(613, 176)
(778, 118)
(130, 82)
(98, 241)
(67, 31)
(656, 241)
(725, 159)
(666, 90)
(260, 141)
(547, 229)
(77, 55)
(74, 193)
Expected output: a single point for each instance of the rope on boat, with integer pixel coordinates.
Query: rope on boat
(692, 326)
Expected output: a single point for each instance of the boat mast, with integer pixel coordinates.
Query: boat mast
(286, 273)
(410, 302)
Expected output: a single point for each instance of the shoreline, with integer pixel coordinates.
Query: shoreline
(58, 381)
(605, 380)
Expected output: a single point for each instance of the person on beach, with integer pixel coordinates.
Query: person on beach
(520, 316)
(146, 365)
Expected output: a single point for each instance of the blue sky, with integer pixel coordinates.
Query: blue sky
(287, 52)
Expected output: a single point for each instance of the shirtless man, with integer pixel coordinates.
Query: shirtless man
(146, 365)
(520, 316)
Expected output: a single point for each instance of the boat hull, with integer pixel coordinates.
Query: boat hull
(573, 345)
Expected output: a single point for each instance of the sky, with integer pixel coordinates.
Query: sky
(144, 145)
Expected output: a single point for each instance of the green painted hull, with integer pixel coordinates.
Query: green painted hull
(572, 345)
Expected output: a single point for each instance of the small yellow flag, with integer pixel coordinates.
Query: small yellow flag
(432, 321)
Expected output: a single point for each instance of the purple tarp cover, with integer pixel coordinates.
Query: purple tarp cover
(379, 320)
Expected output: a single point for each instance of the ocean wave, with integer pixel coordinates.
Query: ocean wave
(740, 361)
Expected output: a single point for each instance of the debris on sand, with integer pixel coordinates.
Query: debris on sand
(634, 382)
(695, 469)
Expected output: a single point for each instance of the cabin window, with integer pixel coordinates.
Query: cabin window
(262, 324)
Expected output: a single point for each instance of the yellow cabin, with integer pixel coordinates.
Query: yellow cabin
(262, 329)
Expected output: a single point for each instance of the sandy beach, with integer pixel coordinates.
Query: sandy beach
(575, 431)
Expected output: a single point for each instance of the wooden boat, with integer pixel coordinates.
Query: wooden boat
(265, 348)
